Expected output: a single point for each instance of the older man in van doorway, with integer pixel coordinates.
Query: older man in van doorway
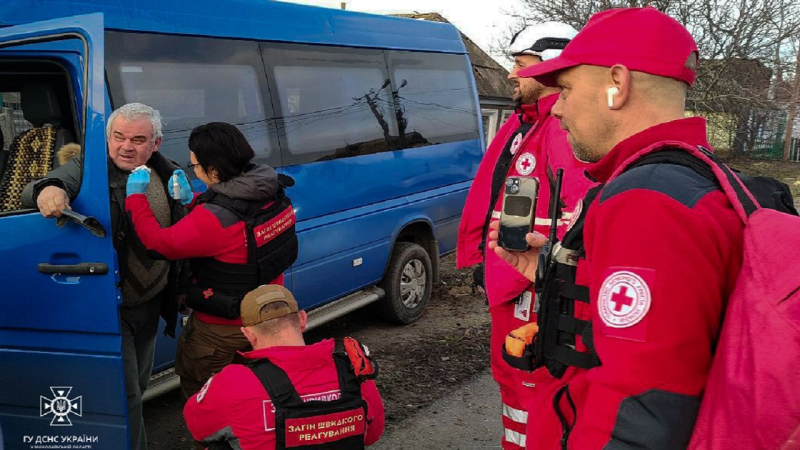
(149, 286)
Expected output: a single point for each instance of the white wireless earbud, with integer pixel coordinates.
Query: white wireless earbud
(612, 91)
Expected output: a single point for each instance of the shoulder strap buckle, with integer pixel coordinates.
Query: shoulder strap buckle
(565, 256)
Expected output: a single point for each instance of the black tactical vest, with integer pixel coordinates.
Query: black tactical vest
(325, 425)
(272, 248)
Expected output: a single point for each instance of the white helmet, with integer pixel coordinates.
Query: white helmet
(545, 40)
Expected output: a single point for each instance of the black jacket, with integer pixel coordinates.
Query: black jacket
(68, 177)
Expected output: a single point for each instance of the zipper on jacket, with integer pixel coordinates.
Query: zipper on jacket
(566, 427)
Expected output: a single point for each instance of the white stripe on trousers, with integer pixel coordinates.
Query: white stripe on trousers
(514, 437)
(517, 415)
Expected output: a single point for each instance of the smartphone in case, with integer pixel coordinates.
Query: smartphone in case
(517, 214)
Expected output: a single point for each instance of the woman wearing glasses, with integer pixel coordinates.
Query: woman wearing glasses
(239, 235)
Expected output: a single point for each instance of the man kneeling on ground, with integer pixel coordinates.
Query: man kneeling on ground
(291, 394)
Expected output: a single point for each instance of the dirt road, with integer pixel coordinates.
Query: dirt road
(447, 349)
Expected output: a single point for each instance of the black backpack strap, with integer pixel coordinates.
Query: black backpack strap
(348, 382)
(677, 157)
(276, 382)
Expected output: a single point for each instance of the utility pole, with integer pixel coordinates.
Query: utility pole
(370, 98)
(401, 121)
(793, 104)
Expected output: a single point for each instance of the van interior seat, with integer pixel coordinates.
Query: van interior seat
(32, 153)
(3, 155)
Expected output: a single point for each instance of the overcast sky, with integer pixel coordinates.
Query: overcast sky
(483, 21)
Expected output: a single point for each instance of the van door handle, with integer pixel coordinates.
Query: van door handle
(74, 269)
(88, 222)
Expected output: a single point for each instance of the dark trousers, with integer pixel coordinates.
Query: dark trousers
(139, 326)
(205, 349)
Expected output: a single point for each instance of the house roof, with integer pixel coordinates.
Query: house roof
(490, 77)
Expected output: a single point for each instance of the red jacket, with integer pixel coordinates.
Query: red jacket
(663, 250)
(234, 405)
(207, 231)
(545, 145)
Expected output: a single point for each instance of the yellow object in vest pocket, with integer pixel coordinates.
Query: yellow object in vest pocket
(518, 339)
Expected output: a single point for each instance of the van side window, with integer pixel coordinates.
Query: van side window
(333, 102)
(434, 95)
(193, 81)
(36, 120)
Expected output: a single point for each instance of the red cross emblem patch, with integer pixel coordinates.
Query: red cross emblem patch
(624, 298)
(208, 293)
(525, 164)
(516, 143)
(575, 214)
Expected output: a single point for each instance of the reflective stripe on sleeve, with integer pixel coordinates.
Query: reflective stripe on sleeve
(547, 222)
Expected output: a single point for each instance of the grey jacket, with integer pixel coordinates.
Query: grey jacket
(68, 176)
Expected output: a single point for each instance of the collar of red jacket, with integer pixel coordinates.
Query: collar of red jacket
(290, 354)
(540, 108)
(691, 130)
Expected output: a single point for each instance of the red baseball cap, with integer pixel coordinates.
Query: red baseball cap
(642, 39)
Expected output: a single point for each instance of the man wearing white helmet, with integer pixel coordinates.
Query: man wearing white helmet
(531, 143)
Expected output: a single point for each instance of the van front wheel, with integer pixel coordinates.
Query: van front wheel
(408, 282)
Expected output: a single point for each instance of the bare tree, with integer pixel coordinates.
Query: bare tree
(794, 103)
(742, 44)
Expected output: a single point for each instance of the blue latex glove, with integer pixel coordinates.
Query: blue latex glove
(180, 187)
(138, 181)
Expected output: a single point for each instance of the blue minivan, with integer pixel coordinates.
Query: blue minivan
(375, 118)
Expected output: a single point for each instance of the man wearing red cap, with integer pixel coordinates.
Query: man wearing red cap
(658, 246)
(291, 394)
(531, 144)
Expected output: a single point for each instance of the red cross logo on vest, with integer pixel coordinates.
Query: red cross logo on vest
(526, 163)
(575, 214)
(624, 299)
(621, 299)
(208, 293)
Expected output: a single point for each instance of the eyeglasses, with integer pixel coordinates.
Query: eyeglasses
(191, 165)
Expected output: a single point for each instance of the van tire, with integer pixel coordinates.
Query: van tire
(409, 268)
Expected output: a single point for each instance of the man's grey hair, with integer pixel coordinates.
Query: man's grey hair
(136, 111)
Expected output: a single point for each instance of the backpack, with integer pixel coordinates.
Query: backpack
(768, 192)
(752, 395)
